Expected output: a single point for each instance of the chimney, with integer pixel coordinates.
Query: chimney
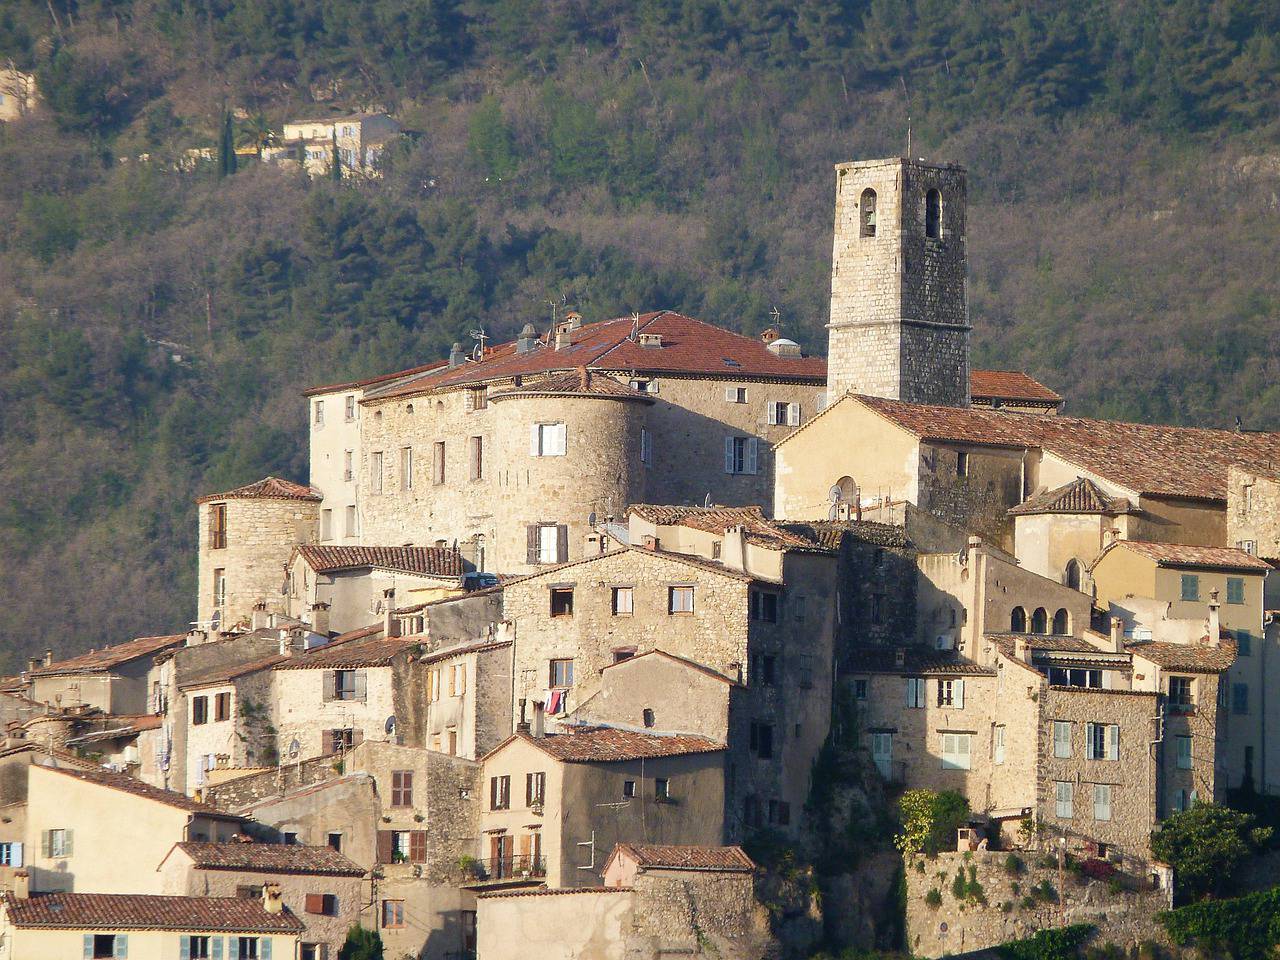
(506, 631)
(1020, 649)
(527, 340)
(650, 542)
(523, 725)
(584, 379)
(769, 335)
(899, 658)
(21, 885)
(457, 357)
(196, 637)
(260, 619)
(272, 902)
(1215, 622)
(538, 729)
(564, 335)
(1117, 635)
(320, 618)
(733, 551)
(33, 663)
(48, 654)
(390, 625)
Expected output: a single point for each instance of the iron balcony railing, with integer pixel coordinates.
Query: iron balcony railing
(515, 867)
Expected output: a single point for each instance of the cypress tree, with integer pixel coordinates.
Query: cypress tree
(227, 148)
(335, 167)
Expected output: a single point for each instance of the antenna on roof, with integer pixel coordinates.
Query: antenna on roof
(480, 336)
(777, 317)
(707, 500)
(635, 325)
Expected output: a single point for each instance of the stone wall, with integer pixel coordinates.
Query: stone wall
(683, 912)
(235, 795)
(978, 499)
(1009, 910)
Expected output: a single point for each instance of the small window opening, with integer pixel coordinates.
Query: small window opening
(933, 214)
(867, 213)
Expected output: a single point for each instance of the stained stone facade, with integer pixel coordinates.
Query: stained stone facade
(899, 305)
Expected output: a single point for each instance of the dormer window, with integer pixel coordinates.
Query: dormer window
(867, 214)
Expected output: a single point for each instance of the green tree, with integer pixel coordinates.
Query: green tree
(335, 160)
(490, 143)
(1205, 844)
(227, 147)
(929, 820)
(361, 944)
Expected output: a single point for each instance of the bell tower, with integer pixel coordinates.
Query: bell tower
(899, 298)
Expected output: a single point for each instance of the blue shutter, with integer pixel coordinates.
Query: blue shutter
(88, 946)
(264, 948)
(215, 945)
(122, 946)
(184, 947)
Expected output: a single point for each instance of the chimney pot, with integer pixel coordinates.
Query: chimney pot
(272, 902)
(538, 729)
(1215, 619)
(48, 657)
(1117, 635)
(21, 885)
(320, 618)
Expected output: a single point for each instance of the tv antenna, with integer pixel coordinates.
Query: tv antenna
(480, 337)
(777, 318)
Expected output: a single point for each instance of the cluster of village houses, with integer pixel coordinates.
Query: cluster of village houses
(557, 625)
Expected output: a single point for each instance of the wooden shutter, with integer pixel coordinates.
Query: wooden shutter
(357, 737)
(532, 554)
(264, 948)
(793, 414)
(15, 855)
(533, 440)
(66, 843)
(773, 412)
(326, 743)
(728, 454)
(362, 685)
(330, 684)
(122, 946)
(46, 843)
(957, 693)
(215, 947)
(315, 903)
(233, 948)
(753, 456)
(562, 543)
(418, 846)
(386, 846)
(88, 946)
(1113, 742)
(493, 793)
(184, 947)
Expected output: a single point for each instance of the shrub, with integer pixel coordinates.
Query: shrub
(1006, 906)
(929, 820)
(958, 886)
(933, 898)
(1205, 844)
(1245, 928)
(1045, 892)
(1061, 944)
(1013, 865)
(1096, 869)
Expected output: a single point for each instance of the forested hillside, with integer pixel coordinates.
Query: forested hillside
(157, 326)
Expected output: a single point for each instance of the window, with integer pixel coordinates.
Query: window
(951, 693)
(662, 789)
(646, 445)
(319, 413)
(198, 948)
(375, 471)
(402, 788)
(647, 718)
(350, 412)
(1240, 698)
(290, 838)
(326, 524)
(313, 951)
(105, 945)
(1181, 698)
(623, 602)
(222, 706)
(741, 455)
(499, 793)
(997, 745)
(476, 458)
(1182, 748)
(1062, 739)
(1064, 799)
(915, 692)
(478, 398)
(764, 606)
(406, 468)
(199, 711)
(1190, 586)
(1074, 575)
(628, 789)
(535, 789)
(735, 394)
(882, 753)
(956, 750)
(1235, 590)
(350, 530)
(392, 914)
(562, 601)
(10, 854)
(341, 740)
(1244, 643)
(782, 413)
(962, 464)
(933, 214)
(761, 742)
(1061, 623)
(1018, 620)
(1040, 621)
(764, 669)
(1248, 546)
(348, 685)
(679, 600)
(321, 904)
(219, 588)
(860, 689)
(218, 526)
(562, 673)
(867, 214)
(1102, 801)
(547, 440)
(334, 842)
(548, 543)
(56, 843)
(1102, 741)
(1181, 801)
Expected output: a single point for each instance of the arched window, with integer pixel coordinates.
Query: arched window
(1075, 575)
(867, 213)
(1061, 623)
(933, 214)
(844, 499)
(1040, 621)
(1018, 620)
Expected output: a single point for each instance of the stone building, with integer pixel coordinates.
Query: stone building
(469, 688)
(899, 302)
(246, 536)
(1012, 391)
(114, 679)
(358, 140)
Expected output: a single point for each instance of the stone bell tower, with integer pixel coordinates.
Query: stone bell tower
(899, 301)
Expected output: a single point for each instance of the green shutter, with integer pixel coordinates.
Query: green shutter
(215, 948)
(233, 948)
(45, 844)
(184, 947)
(122, 946)
(88, 946)
(264, 948)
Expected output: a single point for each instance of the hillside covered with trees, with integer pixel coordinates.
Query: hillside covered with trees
(156, 326)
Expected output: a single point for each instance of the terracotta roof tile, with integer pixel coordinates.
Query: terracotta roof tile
(580, 383)
(426, 561)
(127, 784)
(270, 858)
(590, 744)
(717, 520)
(268, 488)
(1150, 459)
(832, 533)
(122, 911)
(915, 660)
(481, 646)
(1049, 642)
(376, 652)
(1186, 657)
(1184, 555)
(372, 381)
(550, 892)
(96, 661)
(680, 857)
(1009, 385)
(1081, 495)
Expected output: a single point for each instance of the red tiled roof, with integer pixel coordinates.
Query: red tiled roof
(917, 660)
(233, 672)
(126, 911)
(376, 652)
(96, 661)
(549, 892)
(1185, 555)
(270, 858)
(1009, 385)
(588, 744)
(483, 646)
(717, 520)
(581, 383)
(1150, 459)
(1081, 495)
(1050, 642)
(426, 561)
(680, 857)
(1186, 657)
(268, 488)
(372, 381)
(831, 534)
(127, 784)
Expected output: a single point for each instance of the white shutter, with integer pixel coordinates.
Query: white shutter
(957, 694)
(559, 439)
(793, 414)
(753, 455)
(773, 412)
(15, 855)
(728, 454)
(1113, 742)
(731, 394)
(533, 440)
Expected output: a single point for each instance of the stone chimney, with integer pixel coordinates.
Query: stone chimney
(33, 663)
(527, 340)
(733, 551)
(320, 618)
(1215, 621)
(457, 356)
(523, 725)
(272, 901)
(48, 654)
(21, 885)
(390, 625)
(197, 637)
(260, 619)
(1117, 635)
(1020, 649)
(564, 334)
(538, 728)
(769, 335)
(584, 379)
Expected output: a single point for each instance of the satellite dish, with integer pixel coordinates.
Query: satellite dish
(707, 501)
(390, 725)
(835, 494)
(591, 519)
(834, 513)
(295, 748)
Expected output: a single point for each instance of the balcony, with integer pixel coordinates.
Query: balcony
(512, 871)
